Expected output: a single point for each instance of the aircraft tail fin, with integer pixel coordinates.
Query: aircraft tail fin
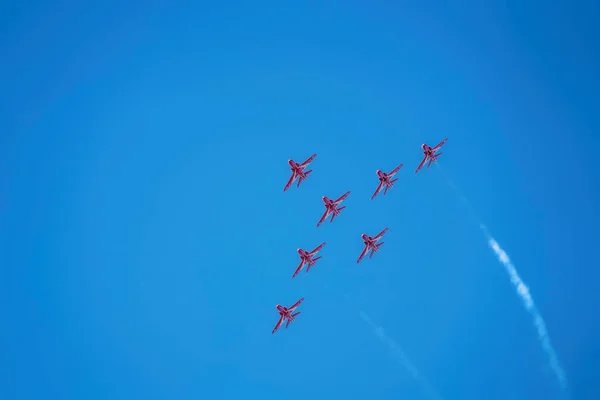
(336, 212)
(303, 177)
(294, 315)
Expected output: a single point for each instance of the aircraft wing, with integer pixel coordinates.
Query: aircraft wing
(421, 165)
(440, 144)
(299, 268)
(317, 249)
(394, 171)
(295, 305)
(308, 161)
(362, 254)
(380, 234)
(278, 324)
(289, 183)
(377, 190)
(324, 217)
(342, 197)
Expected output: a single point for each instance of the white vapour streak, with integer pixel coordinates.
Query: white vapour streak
(523, 292)
(394, 347)
(399, 355)
(521, 288)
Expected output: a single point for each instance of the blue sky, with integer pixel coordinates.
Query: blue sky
(144, 235)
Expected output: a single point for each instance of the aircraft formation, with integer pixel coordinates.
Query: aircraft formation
(307, 258)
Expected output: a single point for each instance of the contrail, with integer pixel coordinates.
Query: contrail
(521, 288)
(399, 355)
(394, 347)
(538, 321)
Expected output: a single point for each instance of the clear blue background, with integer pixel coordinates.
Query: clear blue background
(145, 238)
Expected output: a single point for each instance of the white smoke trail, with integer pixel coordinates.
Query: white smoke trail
(399, 354)
(394, 347)
(521, 288)
(523, 292)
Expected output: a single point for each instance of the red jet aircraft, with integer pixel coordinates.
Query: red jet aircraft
(371, 244)
(331, 207)
(298, 171)
(386, 180)
(430, 154)
(286, 313)
(306, 257)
